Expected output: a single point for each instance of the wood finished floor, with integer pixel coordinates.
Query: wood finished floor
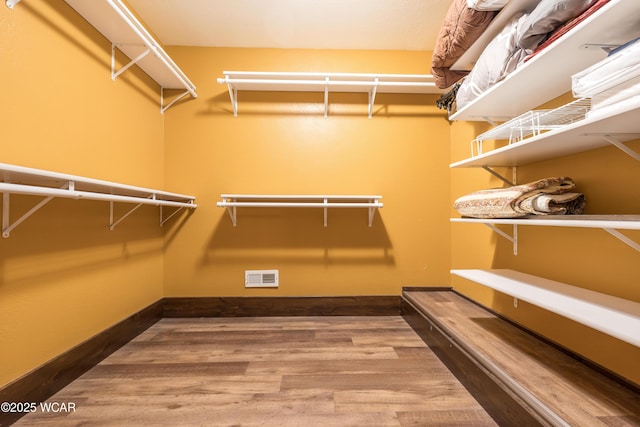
(288, 371)
(581, 396)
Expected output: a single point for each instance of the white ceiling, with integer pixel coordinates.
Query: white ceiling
(307, 24)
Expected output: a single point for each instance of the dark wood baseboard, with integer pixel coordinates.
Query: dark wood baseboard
(426, 288)
(43, 382)
(282, 306)
(504, 406)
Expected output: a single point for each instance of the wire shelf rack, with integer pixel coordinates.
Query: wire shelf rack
(533, 123)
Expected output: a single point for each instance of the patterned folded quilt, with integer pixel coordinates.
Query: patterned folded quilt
(548, 196)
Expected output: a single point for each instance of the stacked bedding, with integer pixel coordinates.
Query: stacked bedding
(521, 38)
(461, 28)
(548, 196)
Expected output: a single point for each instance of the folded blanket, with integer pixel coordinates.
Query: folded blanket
(548, 196)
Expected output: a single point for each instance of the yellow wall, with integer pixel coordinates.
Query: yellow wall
(588, 258)
(281, 144)
(63, 275)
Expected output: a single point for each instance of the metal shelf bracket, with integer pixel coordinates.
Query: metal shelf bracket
(513, 239)
(514, 172)
(615, 233)
(163, 107)
(114, 73)
(372, 96)
(619, 144)
(112, 223)
(164, 219)
(7, 226)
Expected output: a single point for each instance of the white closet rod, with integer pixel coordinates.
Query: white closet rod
(74, 194)
(298, 205)
(149, 41)
(323, 83)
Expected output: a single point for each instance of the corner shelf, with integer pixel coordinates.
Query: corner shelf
(614, 316)
(37, 182)
(548, 73)
(116, 23)
(233, 201)
(609, 223)
(327, 82)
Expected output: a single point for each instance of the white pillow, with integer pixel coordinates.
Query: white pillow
(547, 16)
(501, 56)
(487, 4)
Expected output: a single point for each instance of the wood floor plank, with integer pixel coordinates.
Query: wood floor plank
(455, 418)
(440, 396)
(196, 353)
(303, 371)
(356, 366)
(167, 370)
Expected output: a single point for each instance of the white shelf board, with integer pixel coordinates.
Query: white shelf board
(549, 73)
(614, 316)
(50, 185)
(336, 82)
(118, 25)
(584, 135)
(471, 55)
(38, 178)
(619, 222)
(327, 83)
(233, 201)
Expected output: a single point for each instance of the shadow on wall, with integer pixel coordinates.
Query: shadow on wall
(72, 237)
(96, 38)
(297, 236)
(312, 103)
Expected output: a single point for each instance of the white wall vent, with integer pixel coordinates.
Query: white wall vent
(261, 279)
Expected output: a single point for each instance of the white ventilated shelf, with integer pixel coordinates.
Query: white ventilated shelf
(326, 83)
(533, 123)
(614, 316)
(609, 223)
(119, 25)
(38, 182)
(233, 201)
(549, 73)
(616, 126)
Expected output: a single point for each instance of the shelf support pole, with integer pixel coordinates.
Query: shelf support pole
(325, 211)
(7, 227)
(372, 97)
(623, 238)
(326, 96)
(233, 94)
(613, 141)
(114, 73)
